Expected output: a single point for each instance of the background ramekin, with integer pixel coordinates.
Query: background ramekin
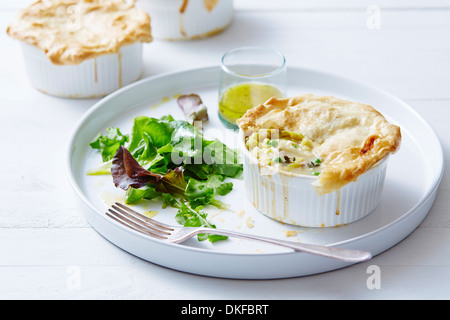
(292, 199)
(169, 23)
(93, 78)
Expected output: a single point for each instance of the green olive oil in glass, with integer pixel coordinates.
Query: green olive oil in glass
(249, 77)
(236, 100)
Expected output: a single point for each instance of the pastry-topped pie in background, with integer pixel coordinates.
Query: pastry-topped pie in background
(187, 19)
(320, 159)
(82, 48)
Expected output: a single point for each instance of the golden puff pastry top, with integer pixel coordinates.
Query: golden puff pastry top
(350, 137)
(71, 31)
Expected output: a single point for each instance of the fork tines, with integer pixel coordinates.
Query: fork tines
(138, 221)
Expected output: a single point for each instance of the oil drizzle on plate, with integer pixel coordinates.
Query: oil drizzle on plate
(163, 101)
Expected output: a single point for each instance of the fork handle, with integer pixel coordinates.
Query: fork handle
(339, 253)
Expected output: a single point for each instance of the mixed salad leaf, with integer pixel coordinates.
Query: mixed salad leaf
(170, 160)
(109, 144)
(193, 107)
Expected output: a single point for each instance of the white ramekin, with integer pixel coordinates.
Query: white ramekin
(171, 20)
(93, 78)
(292, 199)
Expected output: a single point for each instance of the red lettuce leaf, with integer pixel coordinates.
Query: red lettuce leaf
(127, 172)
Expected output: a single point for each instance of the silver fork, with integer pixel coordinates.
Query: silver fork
(178, 234)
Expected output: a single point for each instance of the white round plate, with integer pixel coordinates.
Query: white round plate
(412, 179)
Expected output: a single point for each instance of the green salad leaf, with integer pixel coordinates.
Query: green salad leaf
(202, 192)
(147, 192)
(189, 217)
(109, 144)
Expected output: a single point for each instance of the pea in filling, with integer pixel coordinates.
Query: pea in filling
(286, 150)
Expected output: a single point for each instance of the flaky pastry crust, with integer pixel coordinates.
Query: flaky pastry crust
(71, 31)
(351, 137)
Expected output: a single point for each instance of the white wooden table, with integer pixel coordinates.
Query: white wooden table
(47, 249)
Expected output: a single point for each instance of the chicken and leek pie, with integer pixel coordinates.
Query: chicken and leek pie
(336, 140)
(71, 31)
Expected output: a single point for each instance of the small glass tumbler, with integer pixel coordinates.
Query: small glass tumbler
(249, 76)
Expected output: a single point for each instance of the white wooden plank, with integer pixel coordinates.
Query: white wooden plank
(330, 5)
(294, 4)
(144, 282)
(59, 247)
(36, 183)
